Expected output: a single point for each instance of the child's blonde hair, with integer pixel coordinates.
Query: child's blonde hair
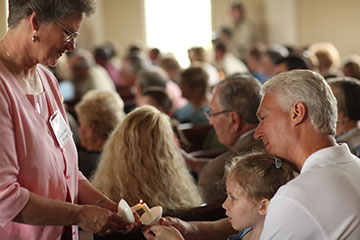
(257, 174)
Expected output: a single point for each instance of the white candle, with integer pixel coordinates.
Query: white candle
(147, 210)
(137, 206)
(143, 206)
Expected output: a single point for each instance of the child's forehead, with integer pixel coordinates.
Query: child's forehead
(233, 186)
(236, 178)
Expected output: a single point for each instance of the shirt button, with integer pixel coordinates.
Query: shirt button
(67, 177)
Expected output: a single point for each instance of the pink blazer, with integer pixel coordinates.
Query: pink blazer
(30, 157)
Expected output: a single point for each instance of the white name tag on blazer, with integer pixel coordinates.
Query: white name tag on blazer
(60, 128)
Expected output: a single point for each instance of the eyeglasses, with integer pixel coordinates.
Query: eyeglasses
(209, 114)
(69, 35)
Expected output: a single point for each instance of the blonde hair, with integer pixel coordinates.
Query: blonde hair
(326, 54)
(142, 161)
(257, 175)
(104, 109)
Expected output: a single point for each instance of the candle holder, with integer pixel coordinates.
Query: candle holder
(125, 212)
(153, 217)
(149, 217)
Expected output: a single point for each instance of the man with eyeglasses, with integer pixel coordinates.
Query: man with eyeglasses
(232, 112)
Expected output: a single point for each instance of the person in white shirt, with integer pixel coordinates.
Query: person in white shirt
(226, 62)
(298, 115)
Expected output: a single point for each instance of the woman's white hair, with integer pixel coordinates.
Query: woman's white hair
(104, 109)
(309, 88)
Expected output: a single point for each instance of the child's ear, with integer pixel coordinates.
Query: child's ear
(264, 203)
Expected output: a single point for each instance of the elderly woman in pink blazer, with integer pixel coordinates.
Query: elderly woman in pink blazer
(42, 193)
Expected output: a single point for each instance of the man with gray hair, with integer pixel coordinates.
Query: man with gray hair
(232, 112)
(298, 115)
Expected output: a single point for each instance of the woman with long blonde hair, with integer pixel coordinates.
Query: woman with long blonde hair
(142, 161)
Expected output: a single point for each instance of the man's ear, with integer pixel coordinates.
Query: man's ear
(264, 203)
(235, 120)
(34, 22)
(298, 113)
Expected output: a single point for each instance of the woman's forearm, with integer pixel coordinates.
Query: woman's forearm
(45, 211)
(88, 194)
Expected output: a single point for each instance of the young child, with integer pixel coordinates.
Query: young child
(251, 182)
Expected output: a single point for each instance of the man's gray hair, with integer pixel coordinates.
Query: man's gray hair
(240, 93)
(311, 89)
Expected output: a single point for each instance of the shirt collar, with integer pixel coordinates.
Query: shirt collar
(334, 154)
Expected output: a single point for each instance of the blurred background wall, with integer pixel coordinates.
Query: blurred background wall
(295, 22)
(3, 15)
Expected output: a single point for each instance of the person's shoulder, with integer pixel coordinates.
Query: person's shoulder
(247, 143)
(45, 70)
(215, 167)
(240, 235)
(223, 158)
(98, 71)
(184, 114)
(3, 74)
(316, 181)
(3, 70)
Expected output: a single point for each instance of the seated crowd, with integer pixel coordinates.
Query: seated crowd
(257, 142)
(150, 145)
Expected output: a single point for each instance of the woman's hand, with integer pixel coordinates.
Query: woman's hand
(132, 227)
(101, 221)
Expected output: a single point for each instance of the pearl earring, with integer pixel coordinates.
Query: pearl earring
(34, 36)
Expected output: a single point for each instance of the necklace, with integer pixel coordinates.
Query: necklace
(29, 87)
(30, 84)
(21, 76)
(5, 50)
(7, 53)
